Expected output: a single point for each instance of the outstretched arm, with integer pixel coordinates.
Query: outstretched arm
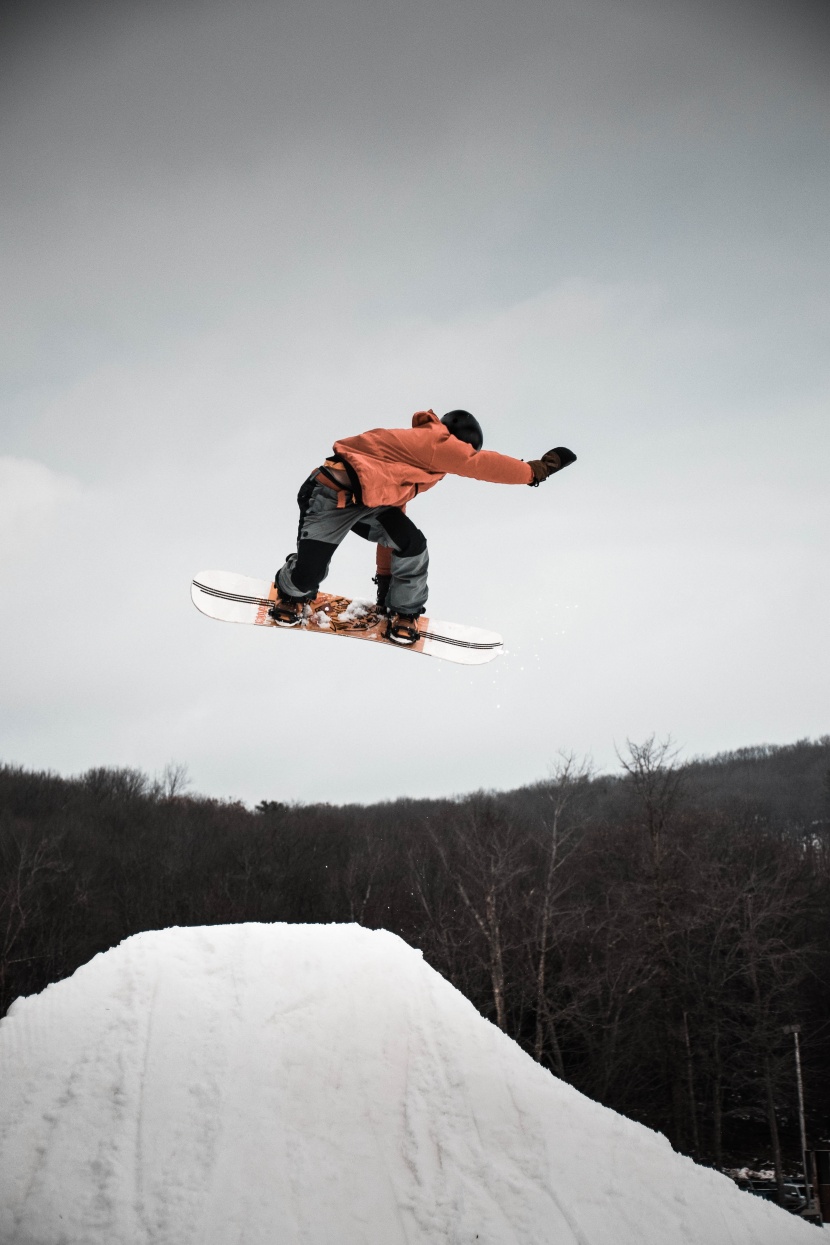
(495, 468)
(459, 459)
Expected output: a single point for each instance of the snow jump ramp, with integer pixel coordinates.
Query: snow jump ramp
(318, 1085)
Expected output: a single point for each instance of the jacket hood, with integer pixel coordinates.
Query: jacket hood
(420, 418)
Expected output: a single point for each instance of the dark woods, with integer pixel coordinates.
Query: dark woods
(647, 937)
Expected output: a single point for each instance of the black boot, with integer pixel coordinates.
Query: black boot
(383, 582)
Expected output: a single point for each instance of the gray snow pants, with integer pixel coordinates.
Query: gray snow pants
(323, 526)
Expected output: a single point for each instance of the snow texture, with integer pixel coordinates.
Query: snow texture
(318, 1085)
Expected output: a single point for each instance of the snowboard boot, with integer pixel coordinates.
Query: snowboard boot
(403, 628)
(382, 582)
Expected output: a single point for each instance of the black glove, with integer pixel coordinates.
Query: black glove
(553, 461)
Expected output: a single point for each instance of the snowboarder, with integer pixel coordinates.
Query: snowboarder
(364, 487)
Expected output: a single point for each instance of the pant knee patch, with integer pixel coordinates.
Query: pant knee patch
(313, 557)
(409, 539)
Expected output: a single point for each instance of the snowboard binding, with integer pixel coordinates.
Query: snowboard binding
(287, 613)
(403, 629)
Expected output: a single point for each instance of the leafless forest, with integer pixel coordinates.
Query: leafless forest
(646, 936)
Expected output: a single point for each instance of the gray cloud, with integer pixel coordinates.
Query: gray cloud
(234, 234)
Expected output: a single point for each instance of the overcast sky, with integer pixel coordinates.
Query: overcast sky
(232, 233)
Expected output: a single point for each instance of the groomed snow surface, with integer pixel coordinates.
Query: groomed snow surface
(318, 1085)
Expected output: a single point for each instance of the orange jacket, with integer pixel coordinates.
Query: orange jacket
(393, 464)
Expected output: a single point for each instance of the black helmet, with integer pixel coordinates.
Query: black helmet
(464, 426)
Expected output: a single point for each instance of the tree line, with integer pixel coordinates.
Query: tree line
(647, 936)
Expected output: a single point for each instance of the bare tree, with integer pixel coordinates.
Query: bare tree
(555, 836)
(656, 785)
(173, 783)
(28, 860)
(485, 860)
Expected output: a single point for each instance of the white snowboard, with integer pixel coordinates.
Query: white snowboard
(241, 599)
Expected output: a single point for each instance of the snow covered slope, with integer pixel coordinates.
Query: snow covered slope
(318, 1085)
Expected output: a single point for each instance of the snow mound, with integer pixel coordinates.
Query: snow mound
(318, 1085)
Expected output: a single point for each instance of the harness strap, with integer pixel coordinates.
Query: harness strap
(326, 475)
(341, 464)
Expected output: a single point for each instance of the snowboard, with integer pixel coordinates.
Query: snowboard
(241, 599)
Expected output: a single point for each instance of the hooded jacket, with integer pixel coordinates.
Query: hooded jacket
(392, 465)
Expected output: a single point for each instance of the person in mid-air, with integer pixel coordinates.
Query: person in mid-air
(364, 487)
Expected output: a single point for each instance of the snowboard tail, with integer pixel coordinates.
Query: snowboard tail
(241, 599)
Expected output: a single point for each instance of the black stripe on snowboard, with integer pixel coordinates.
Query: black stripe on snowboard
(485, 646)
(231, 596)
